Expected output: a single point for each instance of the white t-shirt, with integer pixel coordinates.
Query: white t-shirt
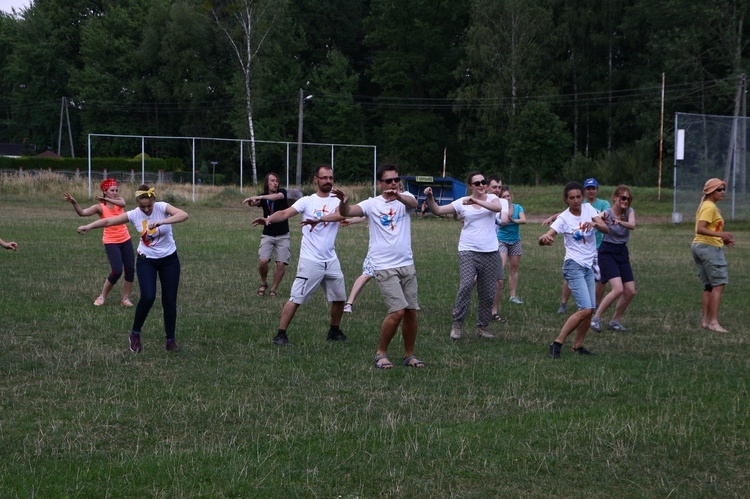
(390, 232)
(580, 246)
(478, 233)
(318, 241)
(156, 243)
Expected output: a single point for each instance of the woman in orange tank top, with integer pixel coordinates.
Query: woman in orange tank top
(116, 240)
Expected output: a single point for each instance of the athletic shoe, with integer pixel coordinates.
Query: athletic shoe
(135, 343)
(561, 310)
(281, 340)
(554, 350)
(348, 308)
(582, 351)
(172, 345)
(336, 335)
(456, 331)
(483, 333)
(596, 324)
(516, 300)
(617, 326)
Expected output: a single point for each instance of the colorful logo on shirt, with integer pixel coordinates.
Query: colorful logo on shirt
(388, 219)
(319, 214)
(719, 225)
(148, 236)
(579, 234)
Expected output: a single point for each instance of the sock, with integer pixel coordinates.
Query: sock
(335, 329)
(282, 332)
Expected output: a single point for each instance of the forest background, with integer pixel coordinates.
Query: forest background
(538, 90)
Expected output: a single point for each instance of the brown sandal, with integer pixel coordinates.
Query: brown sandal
(272, 294)
(262, 289)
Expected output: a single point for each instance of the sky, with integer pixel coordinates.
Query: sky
(6, 5)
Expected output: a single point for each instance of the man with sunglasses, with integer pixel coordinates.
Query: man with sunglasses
(392, 260)
(318, 262)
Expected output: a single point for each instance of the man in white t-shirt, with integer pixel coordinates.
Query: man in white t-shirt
(318, 263)
(392, 261)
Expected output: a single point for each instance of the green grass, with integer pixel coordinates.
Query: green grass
(660, 411)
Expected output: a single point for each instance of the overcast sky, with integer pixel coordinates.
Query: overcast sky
(6, 5)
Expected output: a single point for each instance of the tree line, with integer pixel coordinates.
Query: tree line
(536, 90)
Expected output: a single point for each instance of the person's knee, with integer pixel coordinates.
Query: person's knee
(398, 314)
(114, 276)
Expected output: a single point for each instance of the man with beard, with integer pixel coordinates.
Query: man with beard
(318, 263)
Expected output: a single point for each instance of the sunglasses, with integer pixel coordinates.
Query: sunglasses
(479, 182)
(328, 177)
(721, 189)
(626, 198)
(394, 180)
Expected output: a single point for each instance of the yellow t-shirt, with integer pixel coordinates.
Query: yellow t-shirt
(709, 212)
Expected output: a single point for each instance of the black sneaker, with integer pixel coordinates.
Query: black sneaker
(554, 350)
(281, 340)
(135, 343)
(336, 335)
(582, 351)
(172, 345)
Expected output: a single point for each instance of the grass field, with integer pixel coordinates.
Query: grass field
(661, 411)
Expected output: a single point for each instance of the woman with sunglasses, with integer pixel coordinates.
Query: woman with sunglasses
(157, 258)
(614, 259)
(708, 252)
(478, 255)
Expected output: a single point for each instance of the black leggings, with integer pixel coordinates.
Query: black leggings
(167, 270)
(121, 256)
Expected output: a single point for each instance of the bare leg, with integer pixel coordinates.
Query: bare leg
(337, 311)
(388, 330)
(127, 287)
(514, 261)
(409, 331)
(714, 300)
(576, 322)
(600, 289)
(357, 287)
(277, 275)
(287, 314)
(106, 289)
(263, 270)
(622, 304)
(565, 294)
(616, 284)
(499, 288)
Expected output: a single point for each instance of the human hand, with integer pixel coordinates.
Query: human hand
(259, 221)
(428, 192)
(10, 245)
(340, 194)
(67, 197)
(83, 229)
(546, 240)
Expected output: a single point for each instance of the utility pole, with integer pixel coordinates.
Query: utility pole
(302, 100)
(64, 109)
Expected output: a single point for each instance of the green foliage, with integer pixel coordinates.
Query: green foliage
(98, 164)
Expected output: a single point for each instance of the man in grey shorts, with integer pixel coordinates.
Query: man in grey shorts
(318, 262)
(275, 236)
(392, 261)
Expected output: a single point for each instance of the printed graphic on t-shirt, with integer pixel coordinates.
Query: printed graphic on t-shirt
(318, 214)
(579, 234)
(148, 236)
(389, 219)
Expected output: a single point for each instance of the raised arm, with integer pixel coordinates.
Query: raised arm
(255, 200)
(434, 207)
(87, 212)
(176, 216)
(277, 216)
(104, 222)
(118, 201)
(548, 238)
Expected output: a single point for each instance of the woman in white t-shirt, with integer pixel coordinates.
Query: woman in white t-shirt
(477, 250)
(157, 257)
(578, 225)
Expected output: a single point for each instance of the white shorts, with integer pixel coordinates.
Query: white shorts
(311, 274)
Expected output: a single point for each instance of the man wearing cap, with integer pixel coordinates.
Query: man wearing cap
(708, 252)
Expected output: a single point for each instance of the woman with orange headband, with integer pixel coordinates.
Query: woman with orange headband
(708, 252)
(116, 240)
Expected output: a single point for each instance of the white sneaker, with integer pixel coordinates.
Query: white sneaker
(596, 324)
(456, 331)
(348, 308)
(516, 300)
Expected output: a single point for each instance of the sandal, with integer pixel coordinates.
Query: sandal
(382, 362)
(497, 318)
(262, 289)
(126, 302)
(99, 301)
(272, 293)
(413, 361)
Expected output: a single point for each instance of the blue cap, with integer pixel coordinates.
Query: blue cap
(591, 182)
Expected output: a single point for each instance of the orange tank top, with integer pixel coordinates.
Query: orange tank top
(115, 234)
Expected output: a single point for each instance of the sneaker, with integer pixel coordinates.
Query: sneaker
(596, 324)
(582, 351)
(135, 343)
(516, 300)
(561, 310)
(281, 340)
(483, 333)
(172, 345)
(348, 308)
(456, 331)
(617, 326)
(336, 335)
(554, 350)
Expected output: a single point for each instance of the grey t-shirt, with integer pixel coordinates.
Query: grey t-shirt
(617, 233)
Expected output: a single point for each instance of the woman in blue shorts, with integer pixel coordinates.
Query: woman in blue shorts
(509, 242)
(614, 259)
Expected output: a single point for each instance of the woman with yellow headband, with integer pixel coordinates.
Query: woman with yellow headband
(157, 257)
(708, 252)
(116, 239)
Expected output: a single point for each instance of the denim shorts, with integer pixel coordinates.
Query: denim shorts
(581, 283)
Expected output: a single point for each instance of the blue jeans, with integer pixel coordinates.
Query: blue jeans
(581, 283)
(168, 271)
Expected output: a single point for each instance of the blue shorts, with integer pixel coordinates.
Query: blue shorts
(581, 283)
(614, 261)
